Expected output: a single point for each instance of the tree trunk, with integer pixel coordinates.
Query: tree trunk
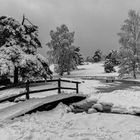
(61, 73)
(134, 71)
(16, 75)
(68, 69)
(68, 72)
(134, 74)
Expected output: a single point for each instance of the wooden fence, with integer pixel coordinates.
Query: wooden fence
(28, 92)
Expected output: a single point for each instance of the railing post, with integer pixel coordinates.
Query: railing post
(59, 85)
(77, 90)
(27, 90)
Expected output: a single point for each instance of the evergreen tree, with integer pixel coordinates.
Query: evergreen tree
(108, 66)
(113, 55)
(111, 60)
(78, 56)
(97, 56)
(89, 59)
(62, 52)
(18, 50)
(130, 50)
(80, 60)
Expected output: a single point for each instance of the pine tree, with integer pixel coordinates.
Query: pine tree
(97, 56)
(62, 52)
(77, 56)
(89, 59)
(111, 60)
(18, 50)
(108, 66)
(80, 60)
(130, 50)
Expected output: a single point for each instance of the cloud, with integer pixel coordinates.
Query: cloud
(95, 22)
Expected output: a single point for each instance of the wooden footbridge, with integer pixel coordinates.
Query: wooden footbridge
(39, 104)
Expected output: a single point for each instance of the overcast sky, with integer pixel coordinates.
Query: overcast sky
(95, 22)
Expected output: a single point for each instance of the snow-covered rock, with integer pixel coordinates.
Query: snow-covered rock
(91, 110)
(83, 105)
(134, 110)
(106, 106)
(98, 107)
(119, 109)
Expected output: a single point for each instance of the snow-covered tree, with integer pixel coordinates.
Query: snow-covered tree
(113, 55)
(130, 50)
(97, 56)
(89, 59)
(111, 60)
(18, 50)
(80, 59)
(77, 56)
(108, 66)
(62, 52)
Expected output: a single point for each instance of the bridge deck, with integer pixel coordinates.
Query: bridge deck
(35, 104)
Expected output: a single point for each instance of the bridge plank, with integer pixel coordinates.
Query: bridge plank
(32, 104)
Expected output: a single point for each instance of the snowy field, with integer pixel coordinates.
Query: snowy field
(57, 124)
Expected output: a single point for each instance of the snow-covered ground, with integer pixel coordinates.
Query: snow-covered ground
(96, 69)
(57, 124)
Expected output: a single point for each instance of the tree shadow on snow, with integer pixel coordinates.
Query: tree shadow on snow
(110, 87)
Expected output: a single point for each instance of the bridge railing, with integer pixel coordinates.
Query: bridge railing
(28, 91)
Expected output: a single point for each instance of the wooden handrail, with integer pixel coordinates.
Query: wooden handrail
(69, 81)
(28, 92)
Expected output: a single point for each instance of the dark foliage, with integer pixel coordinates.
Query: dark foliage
(111, 60)
(97, 56)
